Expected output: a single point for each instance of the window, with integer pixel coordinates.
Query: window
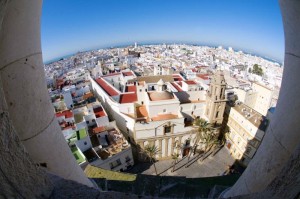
(195, 107)
(167, 129)
(248, 150)
(93, 120)
(87, 122)
(146, 90)
(217, 114)
(164, 110)
(127, 159)
(114, 164)
(187, 142)
(142, 102)
(85, 143)
(140, 90)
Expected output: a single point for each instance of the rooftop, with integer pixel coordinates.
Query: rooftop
(66, 113)
(203, 76)
(130, 88)
(177, 77)
(81, 134)
(78, 117)
(96, 172)
(90, 155)
(190, 82)
(178, 88)
(111, 74)
(160, 95)
(153, 79)
(79, 158)
(88, 95)
(141, 112)
(107, 87)
(99, 112)
(129, 73)
(164, 117)
(99, 129)
(128, 98)
(251, 115)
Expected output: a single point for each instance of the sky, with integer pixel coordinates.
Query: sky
(69, 26)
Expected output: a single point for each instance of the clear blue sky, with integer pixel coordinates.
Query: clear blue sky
(69, 26)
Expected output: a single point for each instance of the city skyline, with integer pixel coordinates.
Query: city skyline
(253, 27)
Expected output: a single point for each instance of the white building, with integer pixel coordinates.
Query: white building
(155, 110)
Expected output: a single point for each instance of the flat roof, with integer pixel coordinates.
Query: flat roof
(111, 74)
(129, 73)
(130, 88)
(203, 76)
(96, 172)
(254, 117)
(164, 117)
(90, 155)
(79, 158)
(66, 113)
(128, 98)
(99, 112)
(99, 129)
(81, 134)
(190, 82)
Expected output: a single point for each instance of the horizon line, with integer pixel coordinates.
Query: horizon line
(120, 45)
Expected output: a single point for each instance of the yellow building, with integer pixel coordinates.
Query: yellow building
(247, 129)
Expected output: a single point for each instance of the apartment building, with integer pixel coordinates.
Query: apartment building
(247, 129)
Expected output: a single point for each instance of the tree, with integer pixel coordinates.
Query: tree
(152, 151)
(209, 139)
(203, 128)
(257, 70)
(175, 158)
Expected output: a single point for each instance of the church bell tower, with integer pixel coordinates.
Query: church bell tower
(215, 99)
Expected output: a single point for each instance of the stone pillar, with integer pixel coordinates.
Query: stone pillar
(283, 133)
(19, 176)
(24, 86)
(160, 147)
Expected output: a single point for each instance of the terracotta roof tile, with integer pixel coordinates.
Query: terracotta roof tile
(107, 87)
(128, 98)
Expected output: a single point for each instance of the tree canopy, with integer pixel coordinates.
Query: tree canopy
(257, 70)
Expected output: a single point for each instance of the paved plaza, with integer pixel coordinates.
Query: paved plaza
(211, 166)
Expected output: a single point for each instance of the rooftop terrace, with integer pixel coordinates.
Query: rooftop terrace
(81, 134)
(164, 117)
(79, 158)
(251, 115)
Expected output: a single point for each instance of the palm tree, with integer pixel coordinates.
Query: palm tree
(152, 151)
(175, 158)
(209, 139)
(203, 128)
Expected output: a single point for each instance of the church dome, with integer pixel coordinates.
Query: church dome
(162, 95)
